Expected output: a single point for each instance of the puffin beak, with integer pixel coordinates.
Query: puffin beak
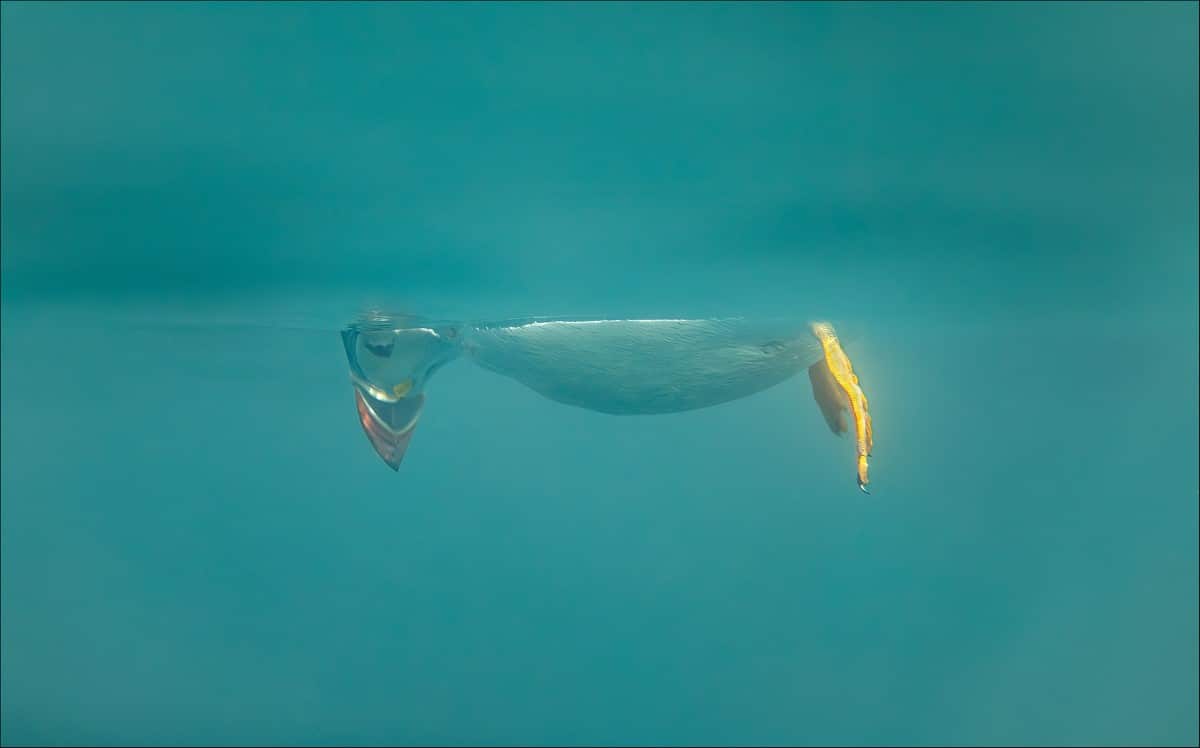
(388, 425)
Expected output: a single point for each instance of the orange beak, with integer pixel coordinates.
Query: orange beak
(388, 425)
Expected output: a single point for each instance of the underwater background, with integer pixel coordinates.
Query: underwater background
(996, 204)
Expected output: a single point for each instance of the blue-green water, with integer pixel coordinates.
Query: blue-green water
(997, 204)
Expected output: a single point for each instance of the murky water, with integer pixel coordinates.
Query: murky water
(996, 204)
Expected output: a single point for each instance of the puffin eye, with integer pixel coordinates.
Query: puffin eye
(383, 350)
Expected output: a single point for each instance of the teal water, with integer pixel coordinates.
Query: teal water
(995, 203)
